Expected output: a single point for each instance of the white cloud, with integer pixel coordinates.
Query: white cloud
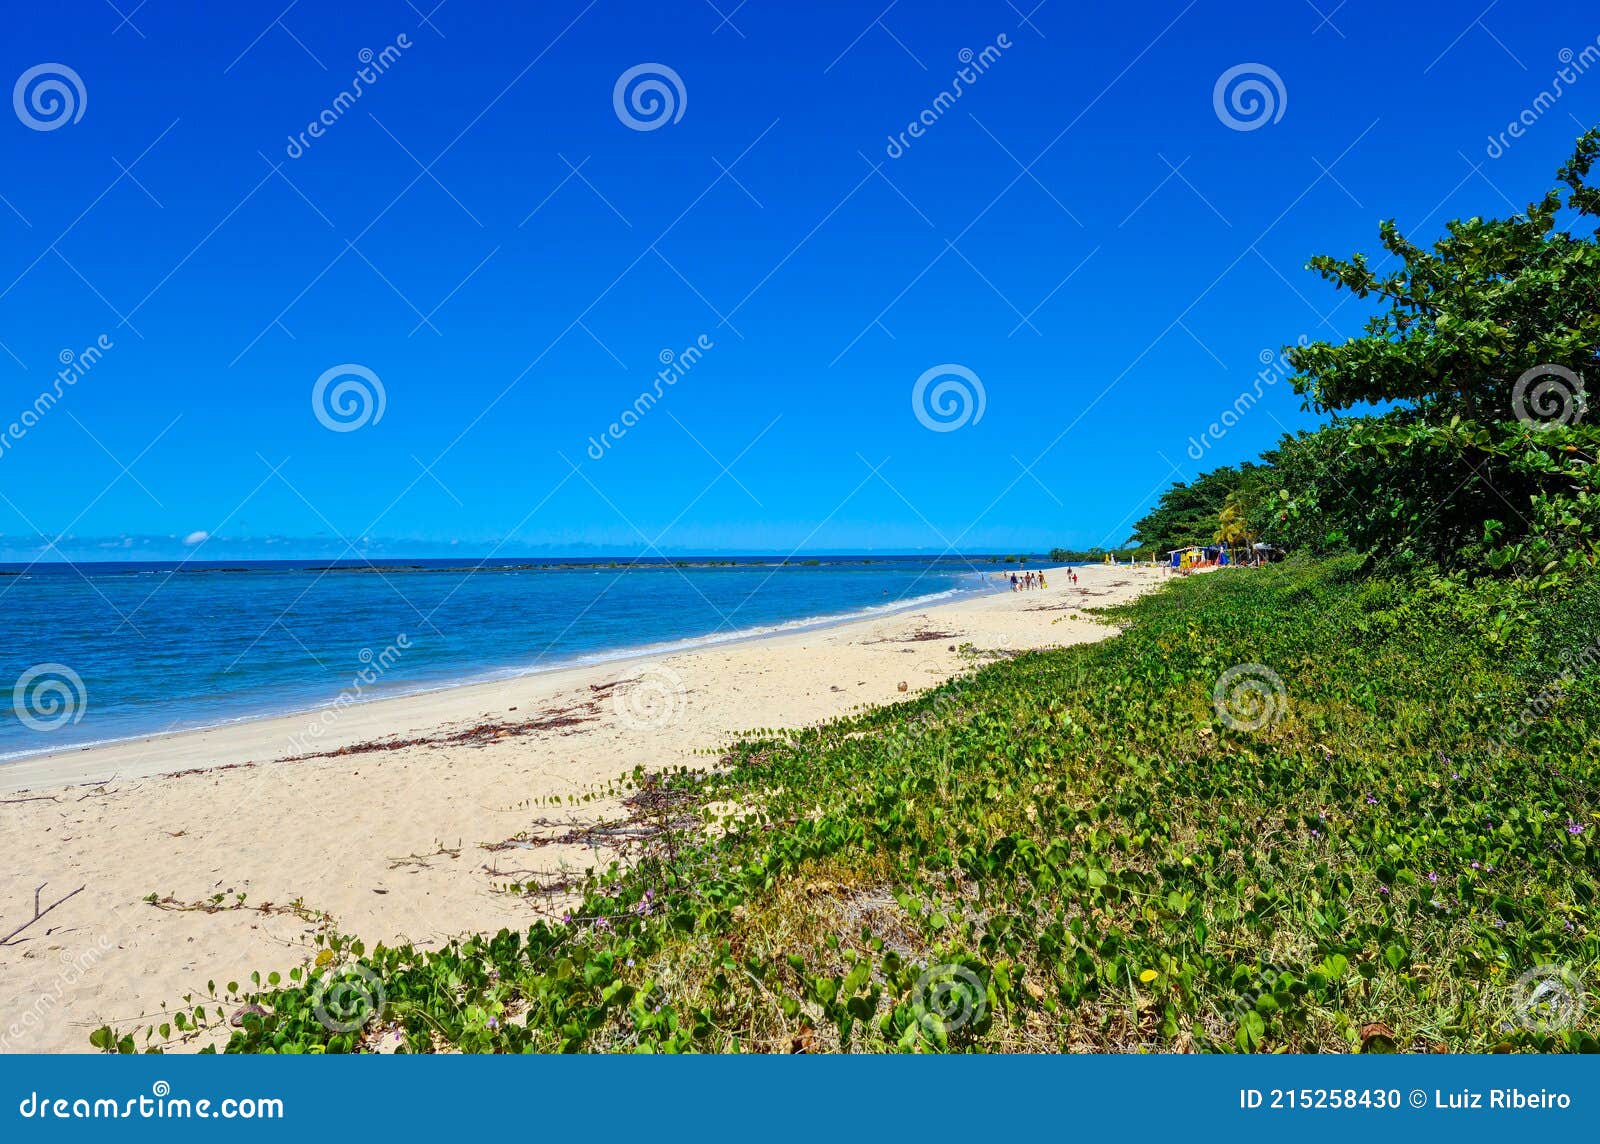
(196, 538)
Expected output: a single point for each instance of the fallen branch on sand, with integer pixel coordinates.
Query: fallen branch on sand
(37, 912)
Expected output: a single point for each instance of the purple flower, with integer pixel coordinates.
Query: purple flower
(1432, 877)
(1574, 828)
(1316, 833)
(493, 1024)
(1382, 889)
(1371, 801)
(1475, 866)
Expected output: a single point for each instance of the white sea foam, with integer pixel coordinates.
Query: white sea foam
(537, 667)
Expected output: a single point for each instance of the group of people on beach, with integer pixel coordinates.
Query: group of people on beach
(1029, 580)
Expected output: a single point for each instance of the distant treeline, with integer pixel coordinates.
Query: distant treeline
(1090, 555)
(1065, 556)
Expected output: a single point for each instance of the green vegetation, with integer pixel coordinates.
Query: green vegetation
(1191, 514)
(1088, 555)
(1365, 846)
(1480, 460)
(1319, 806)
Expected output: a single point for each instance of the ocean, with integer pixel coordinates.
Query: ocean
(106, 651)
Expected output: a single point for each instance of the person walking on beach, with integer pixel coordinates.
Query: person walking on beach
(1013, 581)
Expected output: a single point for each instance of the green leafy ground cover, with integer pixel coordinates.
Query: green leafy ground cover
(1085, 849)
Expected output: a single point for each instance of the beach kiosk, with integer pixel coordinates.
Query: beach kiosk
(1199, 556)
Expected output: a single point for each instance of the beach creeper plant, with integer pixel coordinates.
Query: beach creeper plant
(1081, 854)
(1093, 848)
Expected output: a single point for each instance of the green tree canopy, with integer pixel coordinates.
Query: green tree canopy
(1188, 514)
(1474, 452)
(1491, 300)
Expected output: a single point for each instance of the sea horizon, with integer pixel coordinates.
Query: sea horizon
(550, 559)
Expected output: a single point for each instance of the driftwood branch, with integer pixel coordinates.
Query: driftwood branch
(37, 912)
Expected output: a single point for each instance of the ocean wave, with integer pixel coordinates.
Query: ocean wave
(975, 585)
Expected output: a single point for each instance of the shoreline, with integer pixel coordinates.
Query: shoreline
(202, 856)
(38, 761)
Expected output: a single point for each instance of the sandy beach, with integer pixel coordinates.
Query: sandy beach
(382, 824)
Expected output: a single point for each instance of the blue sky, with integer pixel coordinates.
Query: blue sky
(1082, 231)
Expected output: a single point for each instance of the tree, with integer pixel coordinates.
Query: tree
(1482, 343)
(1233, 526)
(1479, 455)
(1491, 300)
(1189, 514)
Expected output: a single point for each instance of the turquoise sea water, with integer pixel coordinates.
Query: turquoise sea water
(97, 652)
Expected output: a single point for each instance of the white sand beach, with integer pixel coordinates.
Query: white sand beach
(383, 822)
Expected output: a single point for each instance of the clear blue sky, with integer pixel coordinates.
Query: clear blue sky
(1110, 308)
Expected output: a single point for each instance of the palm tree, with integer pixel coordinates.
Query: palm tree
(1232, 527)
